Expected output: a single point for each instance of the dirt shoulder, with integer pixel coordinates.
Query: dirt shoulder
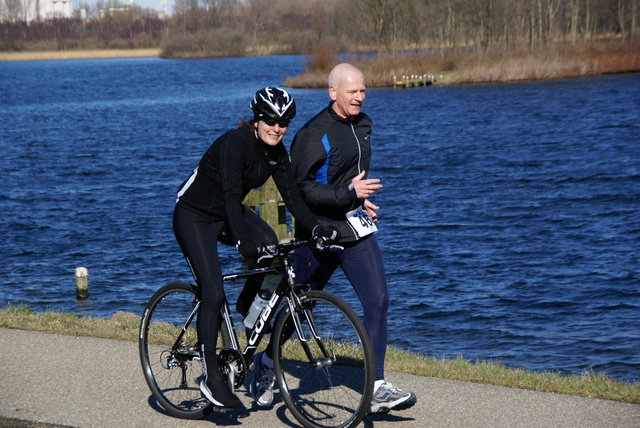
(79, 54)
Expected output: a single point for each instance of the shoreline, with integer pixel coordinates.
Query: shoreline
(384, 72)
(79, 54)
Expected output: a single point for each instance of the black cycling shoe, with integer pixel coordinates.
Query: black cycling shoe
(213, 386)
(220, 396)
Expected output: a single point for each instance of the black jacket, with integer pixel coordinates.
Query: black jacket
(234, 164)
(326, 154)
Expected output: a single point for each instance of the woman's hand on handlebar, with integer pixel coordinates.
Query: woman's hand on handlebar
(250, 249)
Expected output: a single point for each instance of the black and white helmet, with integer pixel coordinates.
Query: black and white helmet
(274, 103)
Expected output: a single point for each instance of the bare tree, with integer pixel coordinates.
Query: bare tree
(186, 15)
(15, 10)
(552, 7)
(376, 12)
(575, 14)
(217, 10)
(321, 13)
(256, 12)
(626, 12)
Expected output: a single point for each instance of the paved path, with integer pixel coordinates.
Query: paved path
(89, 382)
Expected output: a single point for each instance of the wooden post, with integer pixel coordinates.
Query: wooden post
(82, 283)
(268, 203)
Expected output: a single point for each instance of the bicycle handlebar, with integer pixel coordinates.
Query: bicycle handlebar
(320, 243)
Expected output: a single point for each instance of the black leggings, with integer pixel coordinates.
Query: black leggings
(198, 239)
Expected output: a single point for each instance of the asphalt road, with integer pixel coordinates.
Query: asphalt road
(89, 382)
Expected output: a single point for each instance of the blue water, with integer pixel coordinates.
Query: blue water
(509, 218)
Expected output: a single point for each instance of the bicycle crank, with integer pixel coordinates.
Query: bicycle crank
(232, 368)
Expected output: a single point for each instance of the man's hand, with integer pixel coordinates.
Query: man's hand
(327, 234)
(370, 209)
(365, 187)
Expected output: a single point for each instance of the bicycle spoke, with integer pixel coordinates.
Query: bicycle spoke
(169, 352)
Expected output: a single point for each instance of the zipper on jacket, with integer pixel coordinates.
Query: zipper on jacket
(353, 204)
(353, 130)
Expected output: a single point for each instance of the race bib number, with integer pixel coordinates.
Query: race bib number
(361, 223)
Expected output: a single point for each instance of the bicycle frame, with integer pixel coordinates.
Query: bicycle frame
(226, 312)
(284, 290)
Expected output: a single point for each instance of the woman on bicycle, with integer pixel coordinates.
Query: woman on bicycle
(209, 210)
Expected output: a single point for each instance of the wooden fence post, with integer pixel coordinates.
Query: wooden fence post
(82, 283)
(268, 203)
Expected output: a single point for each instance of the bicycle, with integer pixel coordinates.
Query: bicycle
(323, 360)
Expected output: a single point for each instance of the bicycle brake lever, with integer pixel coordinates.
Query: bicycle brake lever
(268, 252)
(320, 244)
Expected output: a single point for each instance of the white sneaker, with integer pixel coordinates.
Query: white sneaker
(387, 397)
(261, 386)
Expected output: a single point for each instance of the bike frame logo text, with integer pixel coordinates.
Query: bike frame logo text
(264, 316)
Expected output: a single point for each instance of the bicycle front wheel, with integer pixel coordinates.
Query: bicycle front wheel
(169, 351)
(329, 384)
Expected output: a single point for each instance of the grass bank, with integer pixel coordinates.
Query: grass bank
(502, 65)
(124, 326)
(79, 54)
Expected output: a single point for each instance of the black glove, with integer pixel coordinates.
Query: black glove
(326, 234)
(250, 249)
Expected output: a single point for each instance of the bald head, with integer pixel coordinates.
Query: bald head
(346, 89)
(344, 72)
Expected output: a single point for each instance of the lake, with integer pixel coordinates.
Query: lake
(509, 220)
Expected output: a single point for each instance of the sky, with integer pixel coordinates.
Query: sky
(150, 4)
(155, 4)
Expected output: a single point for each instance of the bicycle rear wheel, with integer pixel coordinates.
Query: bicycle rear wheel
(171, 365)
(334, 389)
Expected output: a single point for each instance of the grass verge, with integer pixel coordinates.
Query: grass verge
(124, 326)
(79, 54)
(501, 65)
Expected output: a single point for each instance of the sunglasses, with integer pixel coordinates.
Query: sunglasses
(272, 122)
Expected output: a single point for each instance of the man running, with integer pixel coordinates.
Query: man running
(330, 157)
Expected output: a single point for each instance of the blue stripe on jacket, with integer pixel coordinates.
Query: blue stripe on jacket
(321, 175)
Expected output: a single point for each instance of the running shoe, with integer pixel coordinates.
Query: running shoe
(387, 397)
(261, 387)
